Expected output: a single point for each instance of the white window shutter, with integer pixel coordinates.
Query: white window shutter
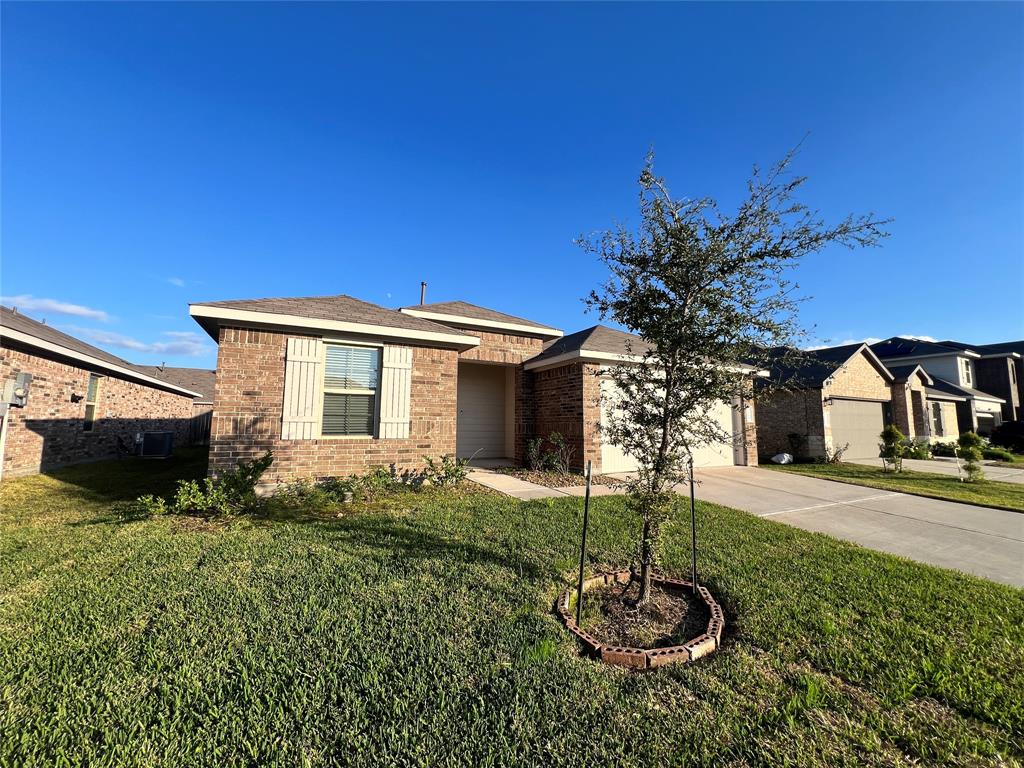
(396, 392)
(303, 390)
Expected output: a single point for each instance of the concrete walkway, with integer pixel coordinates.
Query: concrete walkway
(1002, 472)
(524, 490)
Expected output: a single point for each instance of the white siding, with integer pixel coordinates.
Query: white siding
(396, 392)
(303, 390)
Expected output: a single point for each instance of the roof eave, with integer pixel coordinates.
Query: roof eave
(211, 317)
(543, 332)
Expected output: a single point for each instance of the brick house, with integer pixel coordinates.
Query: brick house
(199, 380)
(828, 398)
(1000, 372)
(921, 408)
(83, 403)
(334, 385)
(953, 368)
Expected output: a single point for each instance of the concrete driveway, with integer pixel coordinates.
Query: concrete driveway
(984, 542)
(993, 471)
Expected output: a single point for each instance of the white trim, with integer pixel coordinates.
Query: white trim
(951, 353)
(444, 317)
(582, 355)
(32, 341)
(298, 321)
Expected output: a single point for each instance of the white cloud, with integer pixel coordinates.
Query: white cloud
(185, 343)
(176, 281)
(28, 303)
(917, 337)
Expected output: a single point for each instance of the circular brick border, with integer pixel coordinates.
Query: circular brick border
(641, 658)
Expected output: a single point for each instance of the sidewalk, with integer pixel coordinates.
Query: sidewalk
(521, 489)
(1004, 473)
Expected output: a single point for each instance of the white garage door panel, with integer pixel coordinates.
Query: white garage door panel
(481, 418)
(614, 460)
(859, 423)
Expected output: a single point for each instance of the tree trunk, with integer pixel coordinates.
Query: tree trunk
(646, 562)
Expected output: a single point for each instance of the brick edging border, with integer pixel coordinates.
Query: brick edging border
(645, 658)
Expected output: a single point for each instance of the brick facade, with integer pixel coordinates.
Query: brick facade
(909, 408)
(49, 431)
(804, 411)
(248, 409)
(567, 401)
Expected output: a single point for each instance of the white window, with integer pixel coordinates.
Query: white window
(967, 373)
(92, 396)
(351, 383)
(937, 421)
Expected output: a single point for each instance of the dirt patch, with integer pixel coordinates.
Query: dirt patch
(555, 479)
(670, 617)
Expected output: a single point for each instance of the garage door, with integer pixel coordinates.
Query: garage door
(481, 419)
(614, 460)
(858, 423)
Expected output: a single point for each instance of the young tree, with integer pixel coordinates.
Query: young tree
(708, 294)
(893, 448)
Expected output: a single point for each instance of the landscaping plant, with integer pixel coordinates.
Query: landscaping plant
(971, 445)
(446, 471)
(893, 448)
(708, 294)
(1009, 435)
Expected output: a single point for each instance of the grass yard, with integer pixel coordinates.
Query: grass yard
(419, 631)
(948, 487)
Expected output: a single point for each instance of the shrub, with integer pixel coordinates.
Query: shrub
(536, 459)
(561, 453)
(797, 444)
(1009, 435)
(234, 492)
(918, 449)
(944, 449)
(377, 482)
(997, 454)
(446, 471)
(971, 446)
(835, 455)
(893, 448)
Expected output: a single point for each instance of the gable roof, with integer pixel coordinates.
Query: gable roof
(904, 372)
(599, 342)
(24, 330)
(809, 368)
(201, 380)
(900, 347)
(473, 315)
(331, 313)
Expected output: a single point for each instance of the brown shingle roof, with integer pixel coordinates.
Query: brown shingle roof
(342, 308)
(465, 309)
(598, 338)
(199, 380)
(16, 321)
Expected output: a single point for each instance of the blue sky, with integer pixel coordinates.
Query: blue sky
(157, 154)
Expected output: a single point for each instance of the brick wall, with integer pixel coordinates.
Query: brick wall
(249, 399)
(858, 378)
(49, 431)
(785, 412)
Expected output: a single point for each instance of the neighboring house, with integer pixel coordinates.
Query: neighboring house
(83, 403)
(335, 385)
(953, 370)
(921, 410)
(199, 380)
(1000, 372)
(830, 398)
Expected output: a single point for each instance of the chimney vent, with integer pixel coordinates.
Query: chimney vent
(423, 293)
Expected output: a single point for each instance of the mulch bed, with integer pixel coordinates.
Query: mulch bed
(670, 617)
(555, 479)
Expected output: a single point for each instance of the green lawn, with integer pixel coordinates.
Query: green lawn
(949, 487)
(419, 631)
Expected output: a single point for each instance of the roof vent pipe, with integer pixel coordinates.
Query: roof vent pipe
(423, 292)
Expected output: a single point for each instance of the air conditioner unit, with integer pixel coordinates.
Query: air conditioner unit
(157, 445)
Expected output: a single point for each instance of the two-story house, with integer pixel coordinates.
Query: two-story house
(953, 370)
(1000, 372)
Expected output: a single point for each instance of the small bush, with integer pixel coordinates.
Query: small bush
(561, 453)
(918, 449)
(893, 448)
(944, 449)
(1009, 435)
(835, 455)
(377, 482)
(997, 454)
(234, 492)
(536, 459)
(971, 446)
(446, 471)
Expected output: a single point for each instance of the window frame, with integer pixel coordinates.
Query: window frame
(967, 374)
(89, 422)
(325, 390)
(938, 420)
